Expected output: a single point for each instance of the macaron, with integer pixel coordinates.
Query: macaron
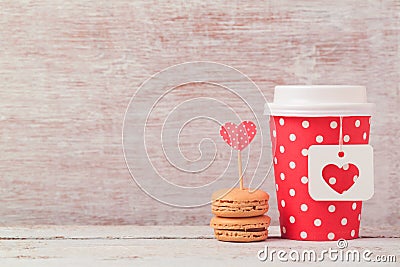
(248, 229)
(238, 202)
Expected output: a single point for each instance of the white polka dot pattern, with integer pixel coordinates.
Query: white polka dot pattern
(304, 207)
(292, 164)
(331, 236)
(303, 234)
(301, 217)
(292, 192)
(304, 179)
(331, 208)
(319, 138)
(352, 233)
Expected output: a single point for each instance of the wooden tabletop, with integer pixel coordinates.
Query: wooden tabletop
(166, 246)
(68, 70)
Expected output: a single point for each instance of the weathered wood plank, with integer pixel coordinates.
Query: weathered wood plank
(146, 232)
(150, 246)
(68, 70)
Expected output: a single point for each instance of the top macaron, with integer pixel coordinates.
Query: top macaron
(238, 202)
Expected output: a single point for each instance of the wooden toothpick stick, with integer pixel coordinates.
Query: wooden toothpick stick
(240, 169)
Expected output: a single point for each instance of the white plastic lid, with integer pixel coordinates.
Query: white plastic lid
(320, 100)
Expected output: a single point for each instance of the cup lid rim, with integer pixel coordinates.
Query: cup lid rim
(315, 110)
(320, 100)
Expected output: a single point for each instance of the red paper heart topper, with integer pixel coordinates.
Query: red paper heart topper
(238, 136)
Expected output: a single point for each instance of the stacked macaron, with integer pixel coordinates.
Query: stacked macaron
(239, 215)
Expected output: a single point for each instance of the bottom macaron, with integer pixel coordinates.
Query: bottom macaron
(241, 229)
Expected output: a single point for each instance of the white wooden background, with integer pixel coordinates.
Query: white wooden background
(69, 68)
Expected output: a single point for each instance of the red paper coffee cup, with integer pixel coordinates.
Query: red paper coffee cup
(302, 116)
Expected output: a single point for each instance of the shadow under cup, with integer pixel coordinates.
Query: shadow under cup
(301, 217)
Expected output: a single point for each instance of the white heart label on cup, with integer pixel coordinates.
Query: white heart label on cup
(340, 174)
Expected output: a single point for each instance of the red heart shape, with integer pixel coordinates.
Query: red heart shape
(340, 179)
(238, 136)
